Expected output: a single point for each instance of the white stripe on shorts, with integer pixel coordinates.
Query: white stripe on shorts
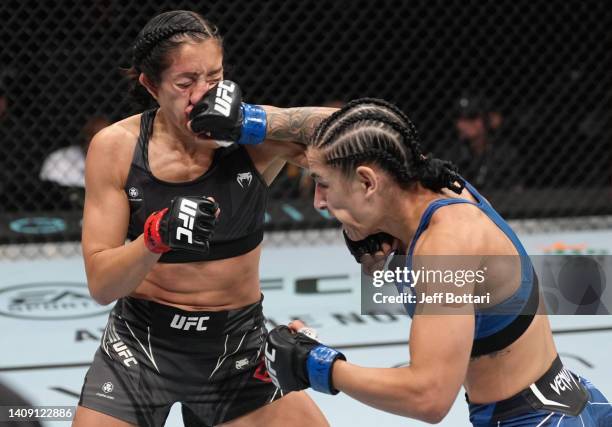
(562, 416)
(545, 419)
(150, 354)
(234, 352)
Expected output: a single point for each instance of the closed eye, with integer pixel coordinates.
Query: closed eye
(214, 80)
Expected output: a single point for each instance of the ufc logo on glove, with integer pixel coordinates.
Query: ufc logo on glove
(190, 216)
(222, 116)
(223, 100)
(187, 215)
(270, 358)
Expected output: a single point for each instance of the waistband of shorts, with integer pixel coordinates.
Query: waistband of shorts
(537, 396)
(169, 321)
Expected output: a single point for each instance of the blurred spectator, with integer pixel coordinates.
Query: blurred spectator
(66, 166)
(481, 152)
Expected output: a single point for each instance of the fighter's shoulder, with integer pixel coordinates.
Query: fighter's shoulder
(113, 147)
(455, 230)
(119, 136)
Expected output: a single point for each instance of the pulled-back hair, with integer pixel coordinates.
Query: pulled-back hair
(373, 131)
(159, 37)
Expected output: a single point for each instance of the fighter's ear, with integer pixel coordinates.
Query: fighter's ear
(148, 85)
(367, 178)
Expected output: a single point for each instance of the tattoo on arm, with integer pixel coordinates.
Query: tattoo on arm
(295, 124)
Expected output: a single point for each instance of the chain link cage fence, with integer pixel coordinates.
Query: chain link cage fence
(516, 93)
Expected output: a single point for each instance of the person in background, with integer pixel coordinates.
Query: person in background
(481, 151)
(66, 166)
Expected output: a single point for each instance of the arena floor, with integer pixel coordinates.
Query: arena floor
(46, 347)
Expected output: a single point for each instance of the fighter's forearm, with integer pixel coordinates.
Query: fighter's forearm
(116, 272)
(397, 390)
(294, 124)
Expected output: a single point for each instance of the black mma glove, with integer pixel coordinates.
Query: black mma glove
(221, 115)
(187, 224)
(370, 245)
(295, 361)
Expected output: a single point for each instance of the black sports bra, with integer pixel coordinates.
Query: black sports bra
(232, 180)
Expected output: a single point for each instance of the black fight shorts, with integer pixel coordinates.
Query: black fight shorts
(153, 355)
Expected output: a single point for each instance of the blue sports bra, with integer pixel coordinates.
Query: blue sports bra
(499, 326)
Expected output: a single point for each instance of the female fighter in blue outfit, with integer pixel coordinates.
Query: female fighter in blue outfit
(371, 175)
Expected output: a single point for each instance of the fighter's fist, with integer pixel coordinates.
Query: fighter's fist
(295, 361)
(372, 251)
(222, 116)
(187, 224)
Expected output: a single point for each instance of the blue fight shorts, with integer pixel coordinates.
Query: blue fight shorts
(559, 398)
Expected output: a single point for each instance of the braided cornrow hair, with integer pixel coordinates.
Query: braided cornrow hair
(159, 37)
(147, 41)
(361, 102)
(375, 131)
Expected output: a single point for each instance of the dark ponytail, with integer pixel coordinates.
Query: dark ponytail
(436, 174)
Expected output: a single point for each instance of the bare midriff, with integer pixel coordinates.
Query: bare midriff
(204, 286)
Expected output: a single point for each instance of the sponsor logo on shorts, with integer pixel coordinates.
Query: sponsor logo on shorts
(244, 179)
(185, 323)
(49, 301)
(563, 381)
(107, 388)
(124, 352)
(242, 363)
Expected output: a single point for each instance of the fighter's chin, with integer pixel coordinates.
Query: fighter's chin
(354, 234)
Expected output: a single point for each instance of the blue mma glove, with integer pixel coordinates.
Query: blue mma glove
(222, 116)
